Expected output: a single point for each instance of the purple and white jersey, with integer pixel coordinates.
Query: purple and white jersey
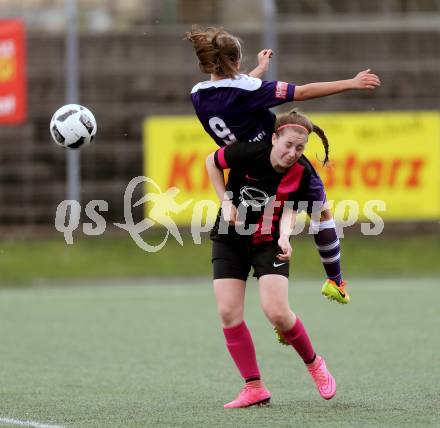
(237, 109)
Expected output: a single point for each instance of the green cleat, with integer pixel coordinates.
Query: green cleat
(335, 292)
(280, 337)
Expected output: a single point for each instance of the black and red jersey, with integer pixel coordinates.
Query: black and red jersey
(258, 191)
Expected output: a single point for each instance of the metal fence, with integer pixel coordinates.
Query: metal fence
(148, 69)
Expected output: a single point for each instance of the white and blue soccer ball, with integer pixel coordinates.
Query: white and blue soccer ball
(73, 126)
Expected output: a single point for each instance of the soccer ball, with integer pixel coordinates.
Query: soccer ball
(72, 126)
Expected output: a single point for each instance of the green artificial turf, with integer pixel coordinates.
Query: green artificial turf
(33, 261)
(135, 355)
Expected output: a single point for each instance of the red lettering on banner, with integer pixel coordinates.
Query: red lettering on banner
(348, 173)
(395, 166)
(371, 172)
(414, 178)
(330, 178)
(181, 171)
(350, 163)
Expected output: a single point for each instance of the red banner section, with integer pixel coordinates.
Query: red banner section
(12, 72)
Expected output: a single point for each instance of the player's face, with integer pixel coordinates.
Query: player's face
(288, 147)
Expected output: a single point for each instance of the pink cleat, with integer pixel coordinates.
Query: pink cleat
(323, 379)
(253, 394)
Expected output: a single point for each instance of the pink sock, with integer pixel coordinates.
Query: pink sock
(297, 336)
(242, 350)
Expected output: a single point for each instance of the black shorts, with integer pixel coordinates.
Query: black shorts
(234, 259)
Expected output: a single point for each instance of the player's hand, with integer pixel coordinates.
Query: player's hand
(286, 248)
(229, 212)
(264, 57)
(366, 80)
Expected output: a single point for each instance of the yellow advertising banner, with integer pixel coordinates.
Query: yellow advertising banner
(389, 156)
(175, 149)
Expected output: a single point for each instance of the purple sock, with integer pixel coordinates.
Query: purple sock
(327, 243)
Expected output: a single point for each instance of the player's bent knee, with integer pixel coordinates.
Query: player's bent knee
(230, 317)
(280, 319)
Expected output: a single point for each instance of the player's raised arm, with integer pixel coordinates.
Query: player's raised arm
(363, 80)
(263, 58)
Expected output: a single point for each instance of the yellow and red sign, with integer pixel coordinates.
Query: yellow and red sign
(12, 72)
(389, 156)
(175, 149)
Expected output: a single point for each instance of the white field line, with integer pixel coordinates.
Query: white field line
(11, 421)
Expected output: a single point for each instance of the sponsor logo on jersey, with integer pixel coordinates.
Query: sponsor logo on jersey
(253, 197)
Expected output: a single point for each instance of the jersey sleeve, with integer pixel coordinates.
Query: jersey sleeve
(238, 156)
(270, 94)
